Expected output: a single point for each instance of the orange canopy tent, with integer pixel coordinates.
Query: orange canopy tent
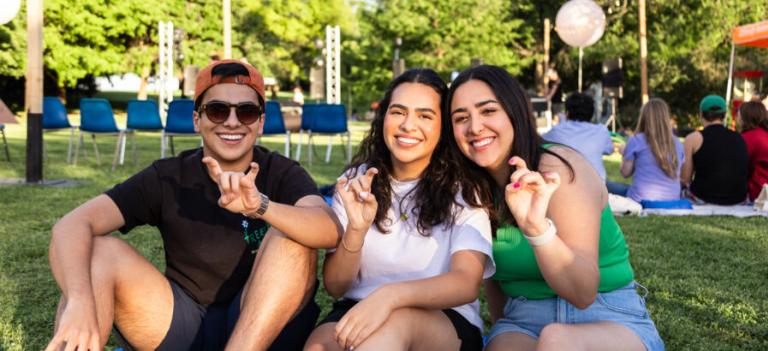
(754, 35)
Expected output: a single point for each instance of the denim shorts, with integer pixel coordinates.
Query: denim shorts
(624, 306)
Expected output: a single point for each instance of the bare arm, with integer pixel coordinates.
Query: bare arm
(341, 267)
(495, 298)
(309, 212)
(240, 195)
(569, 263)
(70, 258)
(691, 144)
(627, 168)
(459, 286)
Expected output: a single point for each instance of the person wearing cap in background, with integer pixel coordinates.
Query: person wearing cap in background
(716, 164)
(239, 225)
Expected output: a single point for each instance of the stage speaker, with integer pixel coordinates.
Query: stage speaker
(190, 77)
(613, 78)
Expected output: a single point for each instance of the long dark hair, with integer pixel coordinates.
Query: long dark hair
(753, 115)
(435, 193)
(526, 144)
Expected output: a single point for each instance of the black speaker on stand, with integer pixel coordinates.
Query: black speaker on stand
(613, 80)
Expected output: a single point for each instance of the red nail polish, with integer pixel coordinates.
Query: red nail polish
(516, 185)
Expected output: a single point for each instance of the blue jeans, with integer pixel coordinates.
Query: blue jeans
(623, 306)
(617, 188)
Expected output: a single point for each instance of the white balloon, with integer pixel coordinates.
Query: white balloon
(8, 10)
(580, 23)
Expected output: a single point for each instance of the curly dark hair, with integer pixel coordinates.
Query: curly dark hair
(435, 193)
(527, 143)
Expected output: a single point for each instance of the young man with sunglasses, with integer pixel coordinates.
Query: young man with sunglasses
(239, 226)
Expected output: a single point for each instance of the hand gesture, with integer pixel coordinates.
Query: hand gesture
(362, 320)
(528, 194)
(358, 201)
(77, 329)
(238, 190)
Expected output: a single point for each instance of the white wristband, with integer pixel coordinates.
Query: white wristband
(543, 238)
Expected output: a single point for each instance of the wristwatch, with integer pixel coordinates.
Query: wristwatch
(262, 207)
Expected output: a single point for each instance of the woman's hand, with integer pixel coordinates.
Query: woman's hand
(363, 319)
(359, 204)
(527, 196)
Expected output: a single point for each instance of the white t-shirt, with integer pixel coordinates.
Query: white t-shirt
(404, 254)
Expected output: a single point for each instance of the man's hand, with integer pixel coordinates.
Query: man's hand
(238, 190)
(77, 329)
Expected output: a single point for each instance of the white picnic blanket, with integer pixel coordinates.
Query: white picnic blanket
(707, 210)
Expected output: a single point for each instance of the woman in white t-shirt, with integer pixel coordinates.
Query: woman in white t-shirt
(417, 242)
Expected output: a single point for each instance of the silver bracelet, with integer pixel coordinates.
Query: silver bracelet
(543, 238)
(257, 213)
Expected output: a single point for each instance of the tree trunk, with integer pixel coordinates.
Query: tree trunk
(142, 94)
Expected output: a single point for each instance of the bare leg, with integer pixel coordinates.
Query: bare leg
(414, 329)
(512, 342)
(406, 329)
(282, 280)
(589, 336)
(322, 339)
(130, 292)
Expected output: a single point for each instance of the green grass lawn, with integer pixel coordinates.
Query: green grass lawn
(707, 276)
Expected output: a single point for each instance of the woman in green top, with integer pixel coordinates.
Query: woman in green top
(563, 278)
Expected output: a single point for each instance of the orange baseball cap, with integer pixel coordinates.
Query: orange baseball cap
(206, 79)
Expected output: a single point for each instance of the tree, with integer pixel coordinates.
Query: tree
(444, 35)
(280, 35)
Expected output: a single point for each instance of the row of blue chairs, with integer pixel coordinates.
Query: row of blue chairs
(97, 117)
(324, 119)
(316, 119)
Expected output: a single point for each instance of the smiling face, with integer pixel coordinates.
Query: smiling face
(412, 128)
(482, 129)
(231, 142)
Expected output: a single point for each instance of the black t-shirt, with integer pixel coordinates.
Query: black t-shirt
(720, 167)
(205, 245)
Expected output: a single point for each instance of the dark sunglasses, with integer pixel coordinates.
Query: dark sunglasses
(218, 112)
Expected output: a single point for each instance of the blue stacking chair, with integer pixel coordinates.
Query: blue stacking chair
(143, 115)
(55, 118)
(5, 143)
(96, 117)
(179, 121)
(330, 120)
(275, 124)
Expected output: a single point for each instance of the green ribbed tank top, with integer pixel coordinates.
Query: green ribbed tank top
(518, 273)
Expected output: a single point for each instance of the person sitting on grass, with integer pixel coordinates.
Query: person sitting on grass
(653, 157)
(716, 163)
(416, 244)
(563, 278)
(235, 221)
(754, 126)
(579, 133)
